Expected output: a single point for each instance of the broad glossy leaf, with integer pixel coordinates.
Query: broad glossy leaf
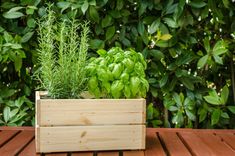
(218, 59)
(154, 26)
(27, 37)
(96, 44)
(190, 115)
(177, 99)
(197, 4)
(225, 115)
(171, 23)
(187, 83)
(84, 7)
(202, 61)
(231, 109)
(215, 116)
(166, 37)
(134, 85)
(203, 115)
(141, 28)
(106, 21)
(127, 91)
(163, 81)
(6, 113)
(110, 32)
(13, 15)
(18, 63)
(212, 100)
(224, 94)
(94, 14)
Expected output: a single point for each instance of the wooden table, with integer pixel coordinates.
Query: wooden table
(160, 142)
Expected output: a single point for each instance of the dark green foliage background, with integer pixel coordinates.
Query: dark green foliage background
(172, 72)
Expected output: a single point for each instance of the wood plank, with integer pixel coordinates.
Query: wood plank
(153, 144)
(173, 144)
(108, 154)
(195, 144)
(82, 154)
(56, 154)
(91, 138)
(228, 138)
(4, 128)
(215, 144)
(63, 112)
(6, 136)
(15, 145)
(29, 150)
(133, 153)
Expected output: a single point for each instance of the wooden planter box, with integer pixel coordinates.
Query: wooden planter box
(89, 124)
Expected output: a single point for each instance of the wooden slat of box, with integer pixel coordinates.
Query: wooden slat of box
(86, 138)
(58, 112)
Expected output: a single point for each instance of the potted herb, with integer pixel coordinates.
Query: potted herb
(67, 122)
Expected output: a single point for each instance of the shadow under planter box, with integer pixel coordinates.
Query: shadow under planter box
(89, 124)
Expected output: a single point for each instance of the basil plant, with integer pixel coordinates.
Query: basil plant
(117, 74)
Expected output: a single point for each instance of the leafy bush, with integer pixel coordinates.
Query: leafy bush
(117, 74)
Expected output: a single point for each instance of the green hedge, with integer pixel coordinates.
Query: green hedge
(189, 47)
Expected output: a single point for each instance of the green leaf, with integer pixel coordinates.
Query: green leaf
(154, 92)
(157, 54)
(13, 15)
(27, 37)
(197, 4)
(15, 9)
(18, 63)
(163, 80)
(31, 23)
(171, 23)
(154, 26)
(63, 6)
(202, 61)
(231, 109)
(6, 113)
(218, 59)
(94, 14)
(150, 111)
(110, 32)
(203, 115)
(212, 100)
(84, 7)
(177, 99)
(106, 21)
(140, 28)
(219, 48)
(187, 83)
(119, 4)
(225, 115)
(166, 37)
(215, 116)
(96, 44)
(226, 3)
(190, 115)
(224, 94)
(206, 42)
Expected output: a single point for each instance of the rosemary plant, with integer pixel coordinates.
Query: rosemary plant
(62, 56)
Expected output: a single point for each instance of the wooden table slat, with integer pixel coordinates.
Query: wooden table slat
(56, 154)
(228, 138)
(159, 142)
(173, 144)
(82, 154)
(108, 154)
(29, 150)
(133, 153)
(6, 136)
(195, 144)
(153, 144)
(214, 142)
(16, 144)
